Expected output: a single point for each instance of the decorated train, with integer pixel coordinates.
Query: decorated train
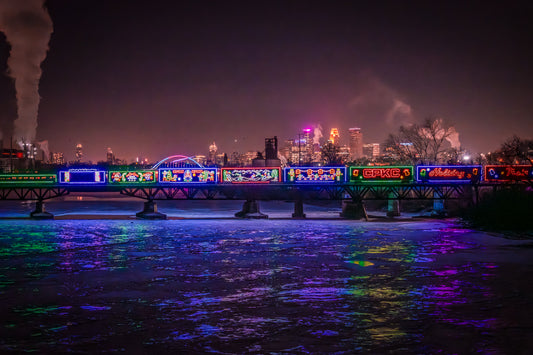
(472, 174)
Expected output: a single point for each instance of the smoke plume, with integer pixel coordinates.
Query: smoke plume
(317, 134)
(27, 27)
(453, 138)
(398, 112)
(379, 102)
(440, 130)
(43, 145)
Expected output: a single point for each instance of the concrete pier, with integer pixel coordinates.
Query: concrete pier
(298, 209)
(438, 206)
(353, 210)
(393, 208)
(39, 212)
(250, 209)
(150, 211)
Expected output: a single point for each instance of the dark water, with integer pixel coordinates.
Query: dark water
(266, 287)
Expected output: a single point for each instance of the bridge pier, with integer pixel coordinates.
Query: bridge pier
(354, 209)
(298, 209)
(150, 211)
(393, 208)
(39, 212)
(250, 209)
(438, 206)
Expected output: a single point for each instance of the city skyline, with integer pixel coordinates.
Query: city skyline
(161, 78)
(309, 151)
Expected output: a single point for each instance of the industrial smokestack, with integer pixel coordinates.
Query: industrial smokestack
(27, 27)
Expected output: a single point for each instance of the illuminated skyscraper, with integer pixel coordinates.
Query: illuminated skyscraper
(57, 158)
(334, 136)
(291, 151)
(308, 150)
(371, 150)
(213, 153)
(356, 143)
(79, 153)
(110, 156)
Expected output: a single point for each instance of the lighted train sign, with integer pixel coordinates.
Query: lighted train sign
(381, 174)
(314, 174)
(188, 175)
(497, 173)
(134, 176)
(449, 173)
(82, 176)
(250, 175)
(28, 178)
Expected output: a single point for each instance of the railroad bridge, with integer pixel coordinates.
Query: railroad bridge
(181, 178)
(352, 194)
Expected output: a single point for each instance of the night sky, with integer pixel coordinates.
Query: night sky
(154, 78)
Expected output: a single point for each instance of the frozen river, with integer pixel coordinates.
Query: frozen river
(259, 286)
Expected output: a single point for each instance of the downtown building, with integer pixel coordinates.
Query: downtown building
(57, 158)
(356, 143)
(371, 150)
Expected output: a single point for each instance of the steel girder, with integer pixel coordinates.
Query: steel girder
(305, 192)
(413, 191)
(32, 193)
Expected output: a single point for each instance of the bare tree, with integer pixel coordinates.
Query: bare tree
(402, 146)
(429, 142)
(330, 154)
(516, 150)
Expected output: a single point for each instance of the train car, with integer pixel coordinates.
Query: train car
(132, 176)
(33, 179)
(329, 174)
(507, 173)
(252, 175)
(188, 175)
(291, 175)
(449, 173)
(362, 174)
(82, 176)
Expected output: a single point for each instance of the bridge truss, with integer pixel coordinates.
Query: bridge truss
(283, 192)
(305, 192)
(32, 193)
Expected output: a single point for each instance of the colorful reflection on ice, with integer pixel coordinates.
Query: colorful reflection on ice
(254, 286)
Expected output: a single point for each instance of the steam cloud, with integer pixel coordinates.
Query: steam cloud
(450, 134)
(399, 112)
(378, 101)
(317, 134)
(453, 138)
(27, 27)
(43, 145)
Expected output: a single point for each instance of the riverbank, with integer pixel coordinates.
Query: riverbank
(506, 211)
